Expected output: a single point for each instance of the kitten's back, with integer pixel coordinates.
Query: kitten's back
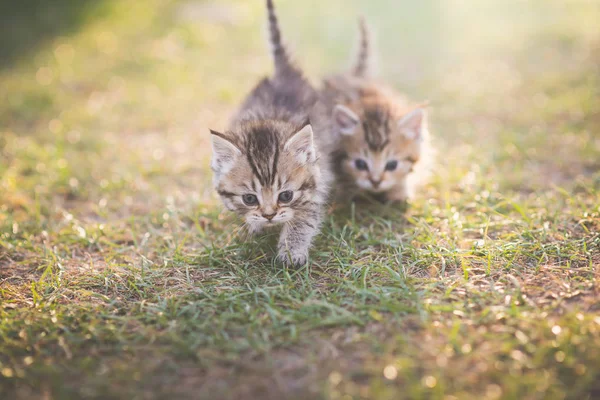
(287, 95)
(276, 99)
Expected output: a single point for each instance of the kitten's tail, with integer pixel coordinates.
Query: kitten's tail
(283, 63)
(363, 60)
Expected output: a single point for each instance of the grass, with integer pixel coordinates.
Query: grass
(120, 277)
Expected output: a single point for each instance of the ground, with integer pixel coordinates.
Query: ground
(121, 277)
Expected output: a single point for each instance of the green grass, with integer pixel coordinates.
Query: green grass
(120, 277)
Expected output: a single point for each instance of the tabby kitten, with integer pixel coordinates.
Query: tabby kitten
(270, 167)
(384, 141)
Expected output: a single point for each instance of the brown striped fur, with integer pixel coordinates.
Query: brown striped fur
(375, 126)
(269, 149)
(363, 61)
(281, 58)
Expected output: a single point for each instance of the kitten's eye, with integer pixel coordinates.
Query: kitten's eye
(250, 199)
(391, 165)
(361, 164)
(286, 197)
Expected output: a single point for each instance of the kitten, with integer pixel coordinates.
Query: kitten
(270, 167)
(384, 142)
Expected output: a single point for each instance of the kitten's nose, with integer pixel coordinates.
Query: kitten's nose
(269, 216)
(375, 182)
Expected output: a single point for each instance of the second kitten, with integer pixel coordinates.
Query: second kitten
(384, 141)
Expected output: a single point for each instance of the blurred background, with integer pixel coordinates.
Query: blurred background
(110, 101)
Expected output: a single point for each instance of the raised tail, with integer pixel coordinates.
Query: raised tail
(283, 63)
(362, 64)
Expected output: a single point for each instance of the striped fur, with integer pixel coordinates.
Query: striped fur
(363, 61)
(375, 127)
(270, 149)
(283, 62)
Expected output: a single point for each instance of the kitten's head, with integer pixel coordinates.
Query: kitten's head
(267, 173)
(380, 150)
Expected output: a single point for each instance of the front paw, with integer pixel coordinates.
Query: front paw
(290, 258)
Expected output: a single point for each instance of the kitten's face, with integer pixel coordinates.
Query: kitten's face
(264, 178)
(380, 151)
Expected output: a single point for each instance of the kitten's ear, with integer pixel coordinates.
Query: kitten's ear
(413, 124)
(301, 144)
(345, 119)
(224, 153)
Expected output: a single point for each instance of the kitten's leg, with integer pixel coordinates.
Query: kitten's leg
(296, 238)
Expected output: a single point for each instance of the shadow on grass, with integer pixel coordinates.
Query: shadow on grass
(26, 25)
(364, 210)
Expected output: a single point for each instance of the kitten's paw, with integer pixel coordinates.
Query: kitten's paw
(295, 259)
